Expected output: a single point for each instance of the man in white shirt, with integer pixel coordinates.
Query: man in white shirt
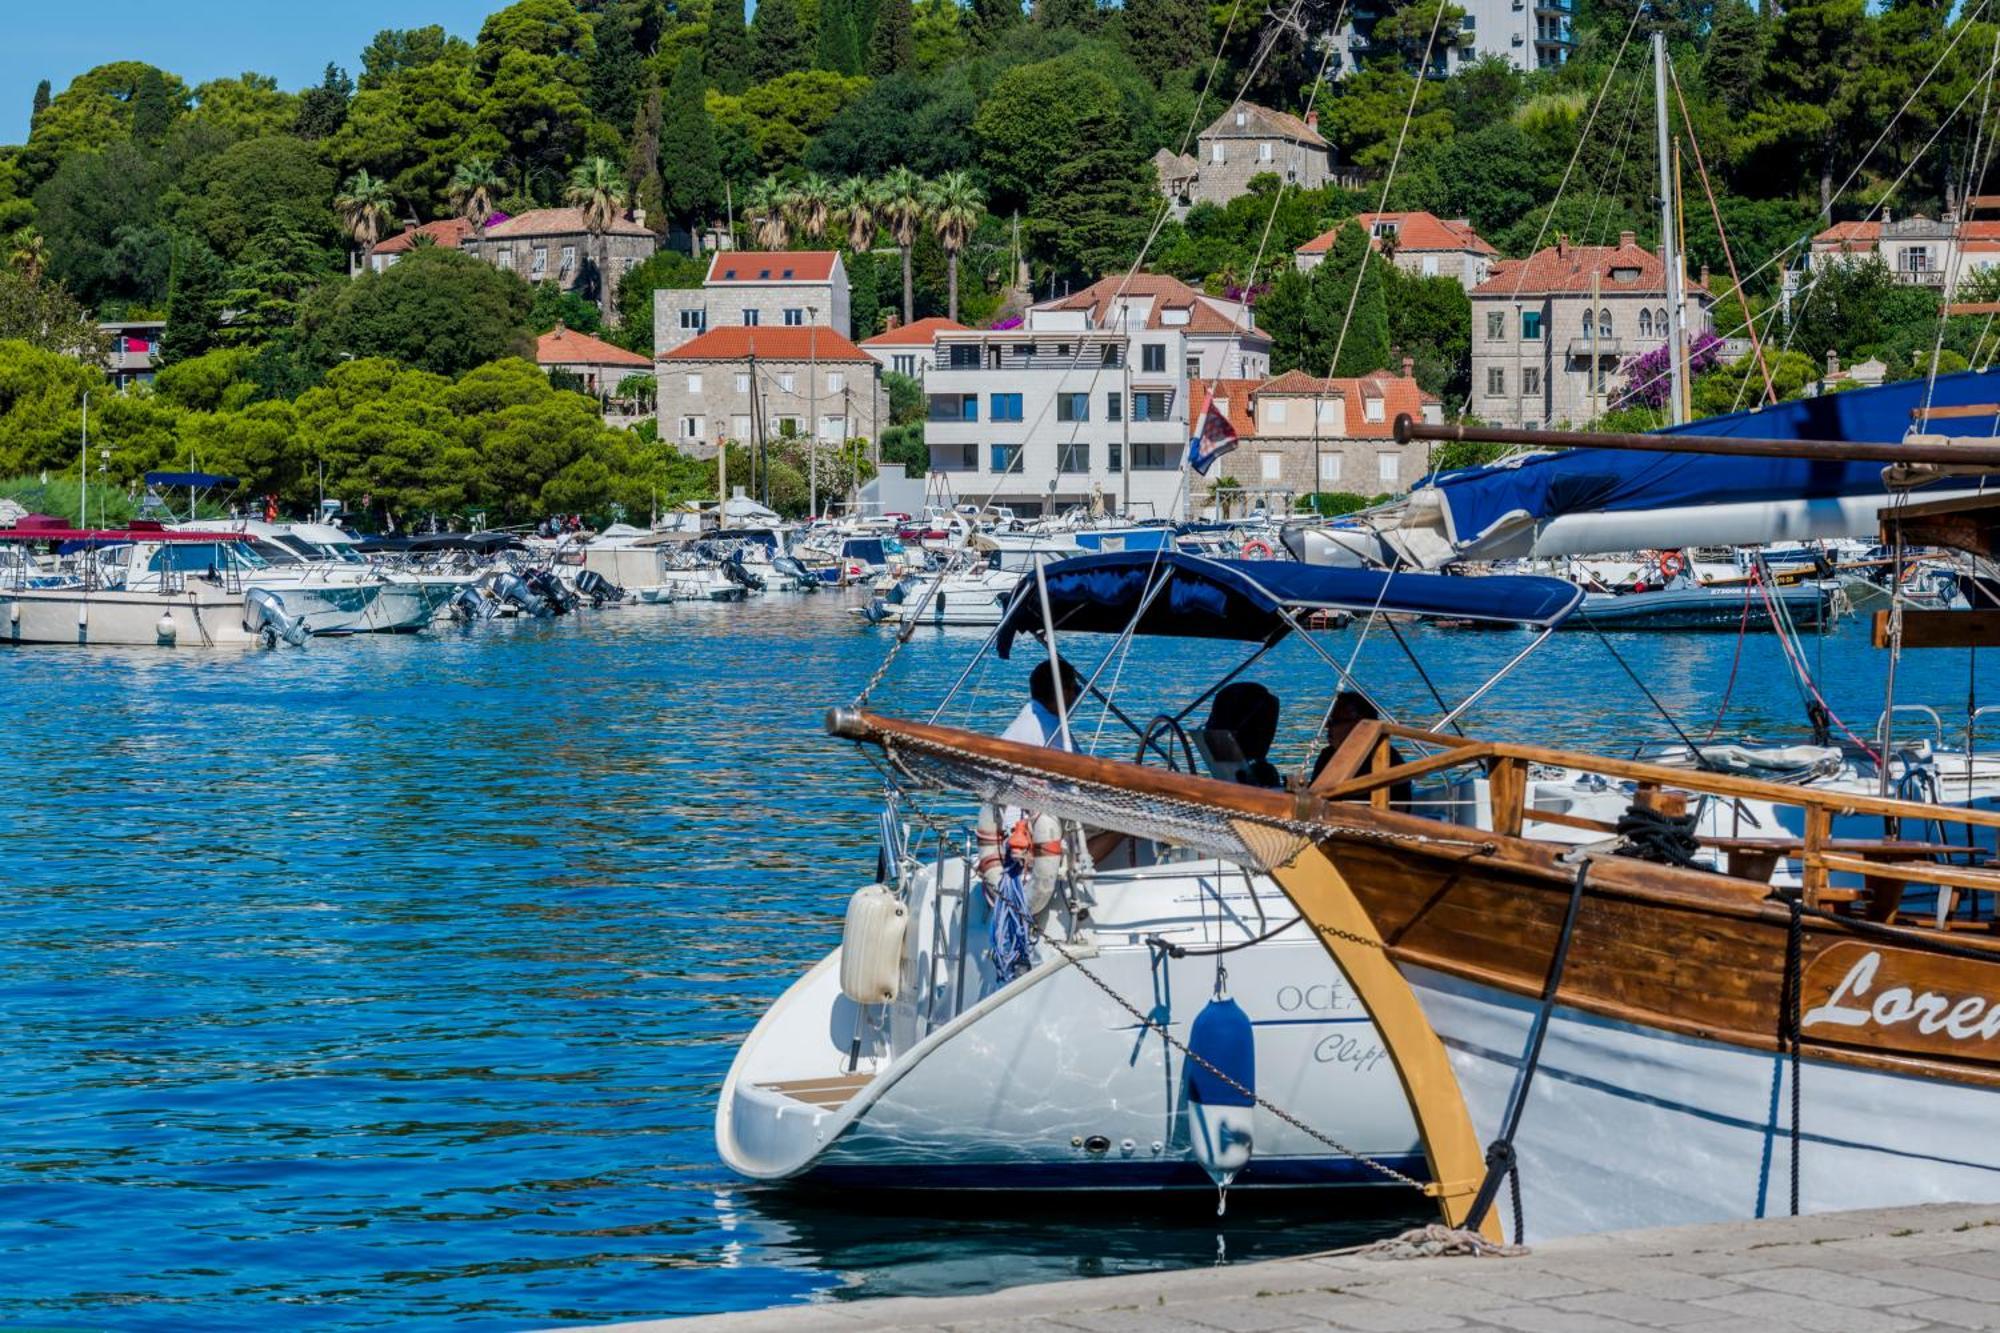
(1039, 722)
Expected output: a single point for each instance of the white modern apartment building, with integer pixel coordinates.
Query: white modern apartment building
(1087, 401)
(1527, 34)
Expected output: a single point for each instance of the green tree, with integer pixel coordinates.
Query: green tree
(247, 186)
(435, 309)
(102, 220)
(778, 43)
(956, 207)
(1430, 321)
(810, 203)
(197, 295)
(365, 210)
(1162, 36)
(690, 167)
(93, 113)
(839, 48)
(37, 311)
(323, 110)
(726, 47)
(597, 189)
(1732, 64)
(249, 106)
(1367, 116)
(1813, 84)
(904, 204)
(780, 118)
(992, 19)
(856, 208)
(892, 46)
(155, 104)
(274, 270)
(41, 102)
(642, 164)
(475, 186)
(394, 51)
(617, 67)
(900, 120)
(552, 306)
(1038, 118)
(666, 269)
(1364, 346)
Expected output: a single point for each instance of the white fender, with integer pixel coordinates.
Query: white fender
(992, 845)
(871, 946)
(1047, 863)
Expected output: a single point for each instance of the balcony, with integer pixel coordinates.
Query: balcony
(1581, 349)
(1920, 277)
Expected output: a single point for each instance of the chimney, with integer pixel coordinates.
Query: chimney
(892, 321)
(1409, 367)
(1704, 275)
(1627, 239)
(1562, 244)
(639, 216)
(560, 329)
(1312, 120)
(1832, 363)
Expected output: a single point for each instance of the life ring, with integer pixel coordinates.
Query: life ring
(1672, 563)
(1257, 550)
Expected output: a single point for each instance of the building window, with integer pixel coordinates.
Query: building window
(1604, 323)
(1388, 469)
(955, 457)
(1073, 457)
(1149, 407)
(1496, 326)
(1531, 381)
(1006, 407)
(1329, 468)
(794, 316)
(1114, 457)
(504, 258)
(833, 428)
(1114, 407)
(1194, 368)
(1006, 458)
(694, 321)
(568, 258)
(739, 428)
(1429, 265)
(743, 381)
(1496, 381)
(1917, 258)
(1264, 153)
(1215, 151)
(1026, 351)
(905, 363)
(540, 261)
(694, 384)
(1153, 358)
(1645, 323)
(1372, 409)
(1660, 322)
(836, 382)
(749, 319)
(954, 407)
(1274, 412)
(1271, 467)
(962, 356)
(691, 428)
(788, 382)
(1108, 356)
(1154, 457)
(788, 428)
(1072, 407)
(1531, 325)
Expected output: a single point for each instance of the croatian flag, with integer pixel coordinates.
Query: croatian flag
(1212, 439)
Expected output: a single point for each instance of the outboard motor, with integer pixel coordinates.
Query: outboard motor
(264, 614)
(597, 588)
(559, 600)
(469, 604)
(514, 590)
(738, 573)
(797, 574)
(876, 611)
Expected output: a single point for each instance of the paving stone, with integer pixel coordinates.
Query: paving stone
(1516, 1279)
(1670, 1284)
(1258, 1314)
(1950, 1282)
(1158, 1320)
(1441, 1294)
(1957, 1313)
(1822, 1285)
(1634, 1308)
(1984, 1263)
(1819, 1316)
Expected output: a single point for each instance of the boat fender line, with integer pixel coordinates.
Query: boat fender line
(1501, 1163)
(1162, 945)
(1047, 863)
(1222, 1091)
(992, 850)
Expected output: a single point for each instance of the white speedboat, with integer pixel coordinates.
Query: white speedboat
(322, 579)
(969, 597)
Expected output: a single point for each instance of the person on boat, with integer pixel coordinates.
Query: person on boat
(1244, 719)
(1350, 709)
(1040, 722)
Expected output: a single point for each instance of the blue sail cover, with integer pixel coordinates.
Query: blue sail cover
(1543, 487)
(205, 480)
(1243, 599)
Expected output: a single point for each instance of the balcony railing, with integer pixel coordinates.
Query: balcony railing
(1582, 349)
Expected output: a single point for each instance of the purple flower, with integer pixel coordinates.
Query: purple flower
(1649, 376)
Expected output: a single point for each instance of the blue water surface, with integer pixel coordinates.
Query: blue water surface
(393, 980)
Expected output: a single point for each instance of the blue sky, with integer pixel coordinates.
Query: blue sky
(203, 39)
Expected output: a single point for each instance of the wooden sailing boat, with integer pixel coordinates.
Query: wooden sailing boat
(1647, 1043)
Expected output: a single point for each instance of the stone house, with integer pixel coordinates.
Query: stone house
(911, 349)
(756, 289)
(553, 245)
(1298, 434)
(1550, 332)
(1245, 142)
(601, 366)
(446, 233)
(1916, 250)
(1418, 243)
(732, 383)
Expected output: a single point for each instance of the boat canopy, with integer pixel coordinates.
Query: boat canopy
(1248, 599)
(77, 538)
(1592, 501)
(203, 479)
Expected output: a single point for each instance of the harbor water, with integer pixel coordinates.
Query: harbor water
(393, 980)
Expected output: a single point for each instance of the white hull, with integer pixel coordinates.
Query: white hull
(1047, 1083)
(1632, 1127)
(203, 617)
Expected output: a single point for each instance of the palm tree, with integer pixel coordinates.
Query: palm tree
(27, 254)
(597, 189)
(764, 205)
(955, 206)
(811, 206)
(903, 207)
(365, 208)
(855, 200)
(473, 187)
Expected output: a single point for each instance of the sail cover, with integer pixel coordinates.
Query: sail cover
(1200, 598)
(1589, 501)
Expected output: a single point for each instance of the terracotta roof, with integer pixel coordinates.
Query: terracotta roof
(1235, 398)
(781, 343)
(917, 334)
(1862, 237)
(447, 232)
(561, 222)
(567, 347)
(1263, 120)
(1205, 315)
(1399, 396)
(771, 265)
(1564, 268)
(1414, 232)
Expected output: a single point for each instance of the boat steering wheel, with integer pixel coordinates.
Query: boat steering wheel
(1170, 724)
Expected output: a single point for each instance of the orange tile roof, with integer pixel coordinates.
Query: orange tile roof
(567, 347)
(447, 232)
(1565, 268)
(919, 333)
(771, 265)
(1414, 232)
(1167, 293)
(1234, 395)
(561, 222)
(1862, 237)
(782, 343)
(1400, 396)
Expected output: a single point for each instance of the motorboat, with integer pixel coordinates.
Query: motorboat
(974, 596)
(1685, 605)
(319, 572)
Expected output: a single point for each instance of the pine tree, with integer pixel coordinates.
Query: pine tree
(687, 145)
(727, 47)
(41, 102)
(777, 43)
(642, 172)
(617, 70)
(893, 46)
(838, 50)
(1365, 347)
(153, 108)
(197, 291)
(323, 110)
(991, 18)
(866, 14)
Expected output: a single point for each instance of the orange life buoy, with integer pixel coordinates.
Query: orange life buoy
(1671, 564)
(1257, 550)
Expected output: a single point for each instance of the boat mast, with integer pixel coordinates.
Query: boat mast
(1669, 259)
(83, 470)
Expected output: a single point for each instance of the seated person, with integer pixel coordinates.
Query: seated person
(1350, 709)
(1242, 723)
(1040, 721)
